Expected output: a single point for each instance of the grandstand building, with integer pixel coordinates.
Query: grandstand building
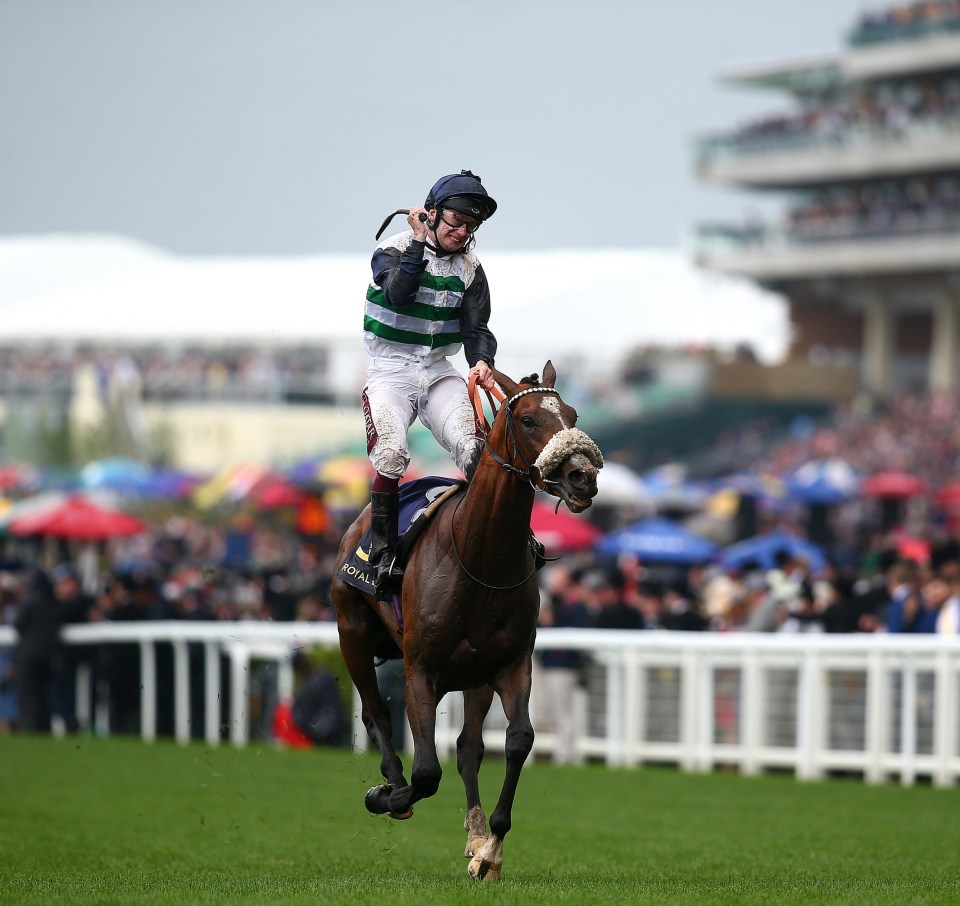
(867, 156)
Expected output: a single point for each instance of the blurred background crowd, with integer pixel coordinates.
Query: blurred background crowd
(244, 372)
(840, 518)
(848, 525)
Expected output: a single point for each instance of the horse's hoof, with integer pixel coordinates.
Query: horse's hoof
(474, 845)
(483, 870)
(377, 801)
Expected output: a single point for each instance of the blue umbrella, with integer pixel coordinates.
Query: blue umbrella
(306, 470)
(762, 549)
(658, 541)
(115, 474)
(169, 484)
(135, 479)
(824, 482)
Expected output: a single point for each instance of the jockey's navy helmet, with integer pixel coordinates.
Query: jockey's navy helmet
(462, 192)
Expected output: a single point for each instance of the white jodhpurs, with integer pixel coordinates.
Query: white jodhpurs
(400, 390)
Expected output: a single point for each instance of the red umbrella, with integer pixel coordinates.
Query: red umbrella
(562, 531)
(949, 499)
(11, 476)
(949, 494)
(914, 549)
(893, 484)
(275, 494)
(78, 518)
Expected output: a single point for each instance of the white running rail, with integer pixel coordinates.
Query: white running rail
(885, 707)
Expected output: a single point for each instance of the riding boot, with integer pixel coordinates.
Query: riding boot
(384, 511)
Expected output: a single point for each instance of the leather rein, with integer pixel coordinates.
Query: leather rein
(495, 396)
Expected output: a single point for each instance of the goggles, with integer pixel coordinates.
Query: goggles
(455, 223)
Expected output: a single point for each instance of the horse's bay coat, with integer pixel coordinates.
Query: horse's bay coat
(470, 601)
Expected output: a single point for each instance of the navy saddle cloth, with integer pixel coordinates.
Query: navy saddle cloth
(415, 497)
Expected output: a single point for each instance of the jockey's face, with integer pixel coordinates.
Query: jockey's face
(453, 229)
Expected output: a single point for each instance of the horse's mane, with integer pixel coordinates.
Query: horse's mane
(531, 379)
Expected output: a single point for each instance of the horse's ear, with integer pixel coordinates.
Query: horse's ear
(508, 386)
(549, 375)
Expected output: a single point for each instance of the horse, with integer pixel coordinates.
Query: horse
(469, 606)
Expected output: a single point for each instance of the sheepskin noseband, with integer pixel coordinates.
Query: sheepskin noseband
(565, 443)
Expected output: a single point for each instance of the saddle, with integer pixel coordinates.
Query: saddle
(419, 502)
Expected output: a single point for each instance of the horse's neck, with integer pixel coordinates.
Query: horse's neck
(497, 508)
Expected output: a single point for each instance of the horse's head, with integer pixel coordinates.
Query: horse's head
(539, 431)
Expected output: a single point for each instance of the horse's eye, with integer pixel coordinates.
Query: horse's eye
(528, 421)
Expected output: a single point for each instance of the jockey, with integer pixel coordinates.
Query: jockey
(428, 297)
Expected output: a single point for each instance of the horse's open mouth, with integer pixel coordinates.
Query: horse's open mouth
(574, 503)
(574, 480)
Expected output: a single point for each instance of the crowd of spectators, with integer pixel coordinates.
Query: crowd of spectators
(172, 372)
(182, 569)
(889, 592)
(875, 210)
(887, 112)
(836, 115)
(906, 20)
(842, 116)
(246, 567)
(898, 578)
(871, 210)
(914, 433)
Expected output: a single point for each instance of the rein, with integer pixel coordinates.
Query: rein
(483, 426)
(495, 397)
(462, 565)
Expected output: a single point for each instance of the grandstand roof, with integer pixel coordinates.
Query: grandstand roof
(797, 76)
(816, 74)
(598, 302)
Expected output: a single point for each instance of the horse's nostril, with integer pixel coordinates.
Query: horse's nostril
(578, 476)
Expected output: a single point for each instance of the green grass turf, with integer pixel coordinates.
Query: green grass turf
(118, 821)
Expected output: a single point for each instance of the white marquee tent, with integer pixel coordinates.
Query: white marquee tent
(595, 304)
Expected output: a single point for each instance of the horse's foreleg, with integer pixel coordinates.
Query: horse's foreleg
(514, 690)
(422, 699)
(476, 704)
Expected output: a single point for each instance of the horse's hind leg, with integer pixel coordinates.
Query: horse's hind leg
(476, 704)
(360, 630)
(514, 690)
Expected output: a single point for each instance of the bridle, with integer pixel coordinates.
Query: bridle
(512, 435)
(561, 445)
(483, 427)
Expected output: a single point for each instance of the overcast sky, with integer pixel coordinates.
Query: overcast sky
(294, 126)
